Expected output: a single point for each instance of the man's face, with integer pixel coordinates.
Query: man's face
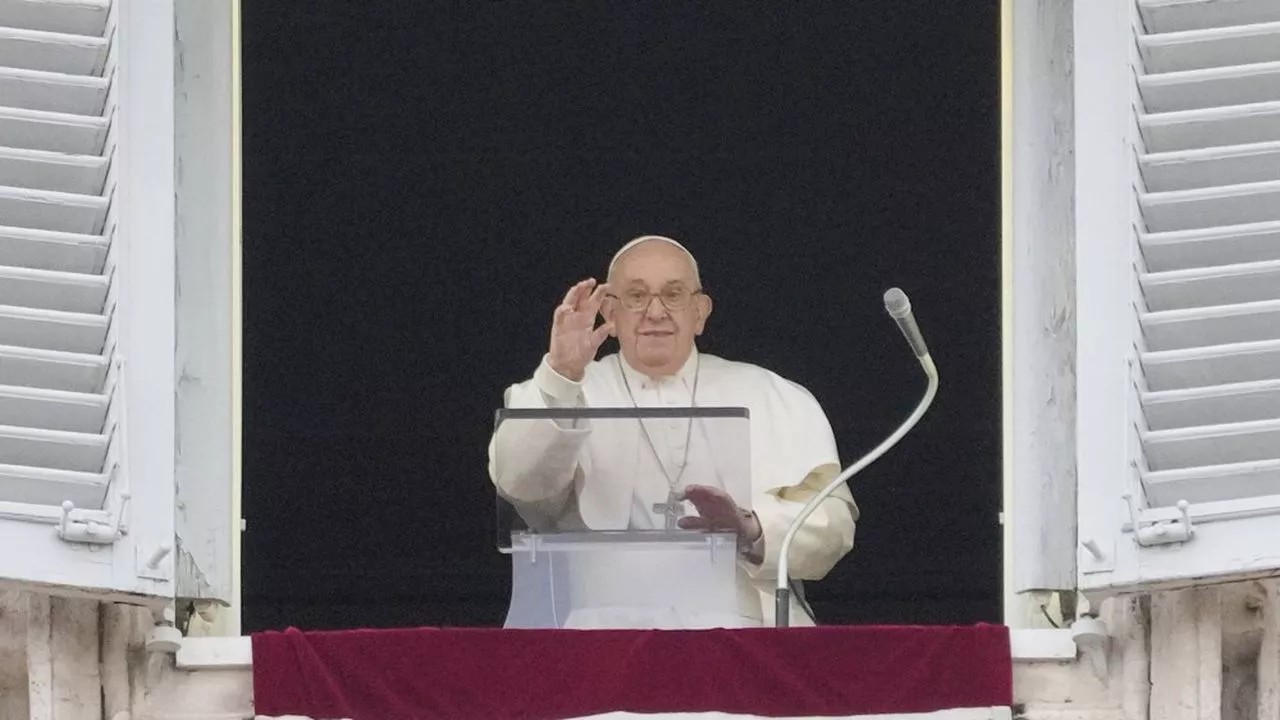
(654, 338)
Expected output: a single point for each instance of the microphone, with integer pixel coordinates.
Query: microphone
(899, 308)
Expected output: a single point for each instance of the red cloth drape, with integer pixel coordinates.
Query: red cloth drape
(496, 674)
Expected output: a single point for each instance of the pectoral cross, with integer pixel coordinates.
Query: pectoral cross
(672, 510)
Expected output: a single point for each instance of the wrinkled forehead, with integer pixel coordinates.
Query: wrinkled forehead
(653, 260)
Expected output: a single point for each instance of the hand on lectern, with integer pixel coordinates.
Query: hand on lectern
(575, 339)
(717, 512)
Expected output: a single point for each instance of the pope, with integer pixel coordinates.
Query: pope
(653, 303)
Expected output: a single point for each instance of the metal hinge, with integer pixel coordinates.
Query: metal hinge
(1161, 532)
(92, 529)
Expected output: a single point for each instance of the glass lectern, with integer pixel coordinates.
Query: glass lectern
(591, 508)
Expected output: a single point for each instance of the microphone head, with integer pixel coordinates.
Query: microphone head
(896, 302)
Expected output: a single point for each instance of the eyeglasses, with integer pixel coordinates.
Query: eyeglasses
(674, 299)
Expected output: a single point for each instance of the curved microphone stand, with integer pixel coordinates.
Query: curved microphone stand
(899, 307)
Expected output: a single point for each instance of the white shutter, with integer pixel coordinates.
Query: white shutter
(1178, 255)
(86, 338)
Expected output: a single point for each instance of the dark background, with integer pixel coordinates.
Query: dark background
(423, 181)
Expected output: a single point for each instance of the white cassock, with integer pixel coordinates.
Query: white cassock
(612, 481)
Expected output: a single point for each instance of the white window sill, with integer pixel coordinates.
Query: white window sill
(236, 653)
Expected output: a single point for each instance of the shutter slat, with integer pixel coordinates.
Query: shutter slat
(1211, 206)
(1219, 285)
(1215, 365)
(1214, 47)
(52, 92)
(1219, 405)
(44, 486)
(1211, 167)
(1210, 87)
(44, 170)
(1212, 127)
(1213, 483)
(51, 330)
(51, 290)
(1218, 325)
(1160, 16)
(52, 52)
(79, 17)
(1207, 247)
(57, 450)
(55, 132)
(52, 370)
(1210, 236)
(50, 210)
(52, 409)
(1212, 445)
(45, 250)
(56, 397)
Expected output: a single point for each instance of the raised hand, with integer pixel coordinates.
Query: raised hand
(575, 339)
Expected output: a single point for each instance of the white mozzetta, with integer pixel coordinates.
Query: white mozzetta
(1180, 283)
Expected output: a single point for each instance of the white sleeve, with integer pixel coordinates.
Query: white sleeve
(535, 461)
(811, 464)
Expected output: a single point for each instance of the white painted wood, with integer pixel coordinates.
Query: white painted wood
(53, 290)
(82, 333)
(1212, 325)
(1211, 167)
(1210, 87)
(1212, 444)
(1206, 247)
(44, 250)
(1161, 16)
(50, 486)
(55, 132)
(76, 451)
(53, 92)
(1211, 127)
(1212, 207)
(1210, 48)
(57, 410)
(1212, 483)
(51, 369)
(1043, 417)
(1217, 405)
(1212, 365)
(50, 210)
(205, 241)
(1105, 256)
(80, 17)
(52, 52)
(1208, 286)
(87, 295)
(45, 170)
(145, 162)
